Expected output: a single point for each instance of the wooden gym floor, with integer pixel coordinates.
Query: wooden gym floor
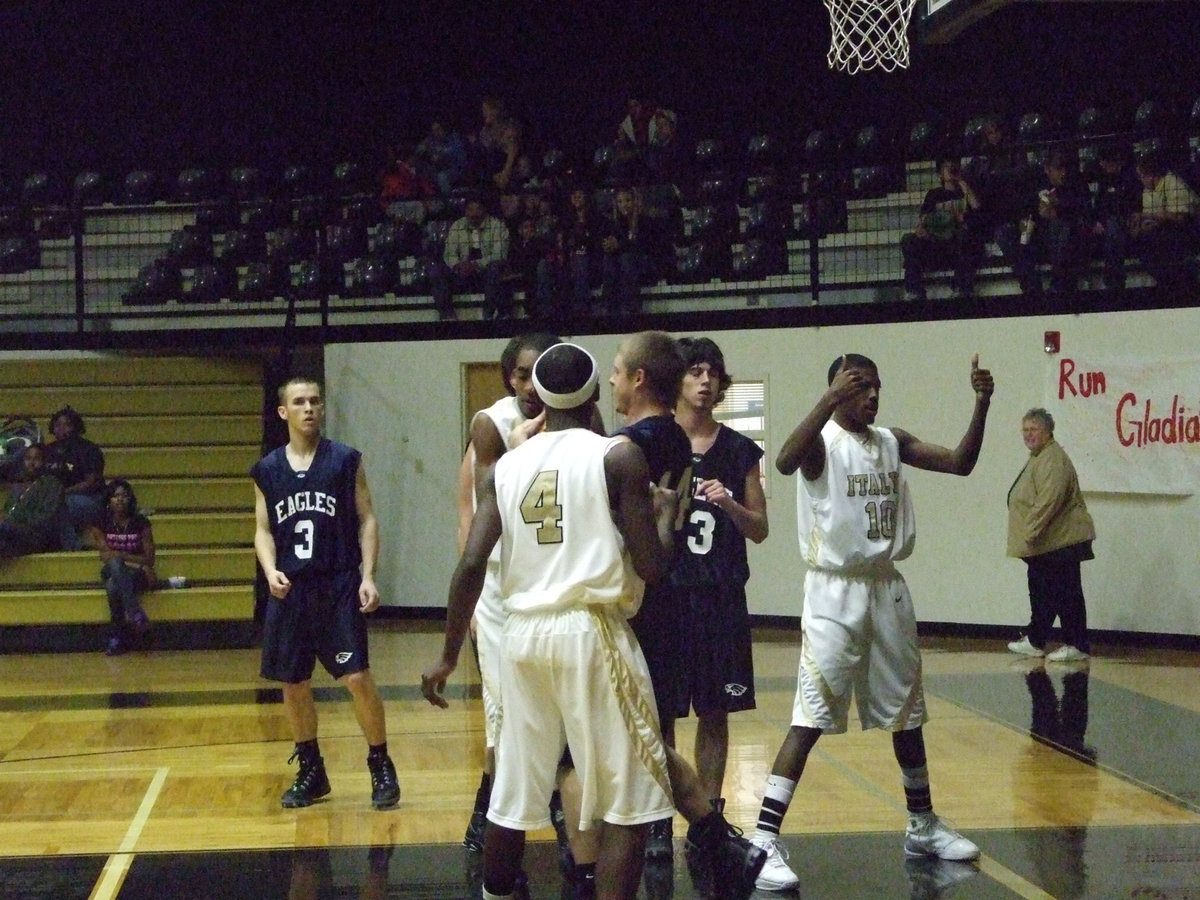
(158, 774)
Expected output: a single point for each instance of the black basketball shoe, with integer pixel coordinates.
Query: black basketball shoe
(385, 786)
(722, 862)
(311, 784)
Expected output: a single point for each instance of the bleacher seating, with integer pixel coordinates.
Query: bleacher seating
(185, 433)
(236, 244)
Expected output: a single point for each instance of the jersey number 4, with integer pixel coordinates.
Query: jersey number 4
(540, 507)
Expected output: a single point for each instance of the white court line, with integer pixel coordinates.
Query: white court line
(113, 874)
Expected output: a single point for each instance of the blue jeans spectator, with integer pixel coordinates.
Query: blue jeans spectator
(445, 283)
(82, 512)
(1055, 242)
(623, 277)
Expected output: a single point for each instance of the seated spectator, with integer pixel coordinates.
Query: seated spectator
(1164, 230)
(1053, 233)
(525, 272)
(473, 260)
(79, 465)
(634, 136)
(441, 157)
(581, 230)
(496, 148)
(1118, 196)
(545, 215)
(403, 192)
(1005, 183)
(511, 208)
(31, 519)
(667, 160)
(627, 243)
(945, 235)
(125, 540)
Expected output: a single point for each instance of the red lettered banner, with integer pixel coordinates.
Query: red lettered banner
(1129, 427)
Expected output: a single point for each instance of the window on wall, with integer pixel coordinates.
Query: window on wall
(744, 409)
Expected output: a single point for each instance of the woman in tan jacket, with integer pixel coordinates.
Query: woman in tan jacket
(1049, 527)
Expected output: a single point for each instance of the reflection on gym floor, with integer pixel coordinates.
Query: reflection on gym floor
(158, 775)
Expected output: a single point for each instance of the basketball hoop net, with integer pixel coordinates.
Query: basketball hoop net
(869, 34)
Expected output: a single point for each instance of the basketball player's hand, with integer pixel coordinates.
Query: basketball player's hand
(981, 380)
(527, 429)
(368, 596)
(712, 491)
(847, 383)
(278, 584)
(433, 683)
(667, 503)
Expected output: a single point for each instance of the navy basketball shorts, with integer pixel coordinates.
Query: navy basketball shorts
(658, 627)
(319, 619)
(719, 675)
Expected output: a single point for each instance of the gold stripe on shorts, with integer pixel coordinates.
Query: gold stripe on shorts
(812, 668)
(636, 711)
(901, 722)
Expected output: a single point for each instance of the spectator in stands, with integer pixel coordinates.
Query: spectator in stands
(545, 215)
(945, 235)
(1005, 183)
(403, 191)
(1054, 231)
(626, 242)
(1118, 196)
(125, 540)
(441, 157)
(31, 517)
(79, 465)
(669, 176)
(1164, 230)
(496, 147)
(473, 259)
(635, 134)
(582, 231)
(511, 206)
(526, 273)
(667, 159)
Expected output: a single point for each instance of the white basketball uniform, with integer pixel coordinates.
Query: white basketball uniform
(859, 629)
(571, 671)
(506, 415)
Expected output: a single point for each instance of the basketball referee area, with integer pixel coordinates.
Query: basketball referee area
(158, 775)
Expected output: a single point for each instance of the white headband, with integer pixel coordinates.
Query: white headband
(575, 398)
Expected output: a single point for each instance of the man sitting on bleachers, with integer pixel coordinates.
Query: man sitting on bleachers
(32, 514)
(1054, 230)
(944, 236)
(1164, 231)
(473, 259)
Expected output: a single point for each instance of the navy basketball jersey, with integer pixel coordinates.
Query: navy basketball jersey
(666, 446)
(715, 548)
(313, 516)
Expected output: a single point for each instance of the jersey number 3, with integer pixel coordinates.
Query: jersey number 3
(701, 540)
(540, 507)
(304, 545)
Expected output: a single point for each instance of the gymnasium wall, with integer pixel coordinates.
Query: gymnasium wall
(401, 403)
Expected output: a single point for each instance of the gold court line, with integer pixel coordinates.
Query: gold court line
(115, 869)
(1011, 880)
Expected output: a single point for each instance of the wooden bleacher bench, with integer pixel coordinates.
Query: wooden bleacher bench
(185, 432)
